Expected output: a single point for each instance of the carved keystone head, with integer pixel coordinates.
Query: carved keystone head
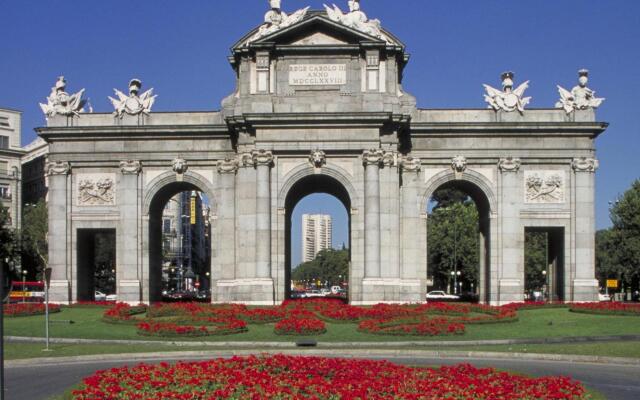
(318, 158)
(180, 166)
(459, 164)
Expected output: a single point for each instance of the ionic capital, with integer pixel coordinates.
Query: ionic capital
(58, 168)
(228, 166)
(372, 157)
(584, 164)
(410, 164)
(130, 167)
(509, 164)
(262, 158)
(390, 159)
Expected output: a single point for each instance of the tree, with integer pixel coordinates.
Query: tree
(447, 197)
(625, 216)
(329, 266)
(35, 228)
(453, 241)
(8, 244)
(608, 256)
(535, 259)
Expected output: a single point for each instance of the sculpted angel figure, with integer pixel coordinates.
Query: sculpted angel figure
(133, 104)
(61, 102)
(508, 99)
(580, 97)
(276, 19)
(356, 19)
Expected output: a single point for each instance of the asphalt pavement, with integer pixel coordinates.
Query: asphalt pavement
(43, 379)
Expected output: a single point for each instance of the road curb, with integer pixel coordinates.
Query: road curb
(353, 353)
(345, 345)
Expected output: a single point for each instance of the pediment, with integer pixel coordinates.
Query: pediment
(316, 29)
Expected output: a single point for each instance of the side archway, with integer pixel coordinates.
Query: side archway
(479, 189)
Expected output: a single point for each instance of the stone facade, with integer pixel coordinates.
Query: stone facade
(320, 107)
(10, 153)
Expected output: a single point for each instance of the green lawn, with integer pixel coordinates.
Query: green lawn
(532, 324)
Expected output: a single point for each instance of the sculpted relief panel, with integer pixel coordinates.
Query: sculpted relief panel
(544, 187)
(96, 190)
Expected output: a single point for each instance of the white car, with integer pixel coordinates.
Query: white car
(112, 297)
(314, 293)
(99, 296)
(604, 297)
(440, 295)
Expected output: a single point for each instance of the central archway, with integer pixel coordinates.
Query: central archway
(308, 185)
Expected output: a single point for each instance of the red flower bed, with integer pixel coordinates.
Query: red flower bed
(284, 378)
(28, 309)
(439, 326)
(121, 313)
(300, 326)
(221, 327)
(607, 308)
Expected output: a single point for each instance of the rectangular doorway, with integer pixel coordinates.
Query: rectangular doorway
(96, 273)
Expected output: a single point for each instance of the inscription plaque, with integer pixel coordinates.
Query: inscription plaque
(318, 74)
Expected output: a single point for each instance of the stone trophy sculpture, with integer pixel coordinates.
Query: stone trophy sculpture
(276, 19)
(356, 19)
(133, 104)
(507, 99)
(60, 102)
(580, 97)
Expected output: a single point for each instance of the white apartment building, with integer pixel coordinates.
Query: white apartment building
(316, 235)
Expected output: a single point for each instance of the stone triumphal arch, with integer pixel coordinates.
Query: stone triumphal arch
(320, 107)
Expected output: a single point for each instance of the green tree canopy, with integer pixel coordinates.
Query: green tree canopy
(618, 249)
(453, 241)
(34, 238)
(328, 266)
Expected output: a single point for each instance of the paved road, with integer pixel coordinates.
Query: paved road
(617, 382)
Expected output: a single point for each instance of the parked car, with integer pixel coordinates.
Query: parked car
(298, 294)
(604, 297)
(439, 295)
(314, 293)
(112, 297)
(99, 296)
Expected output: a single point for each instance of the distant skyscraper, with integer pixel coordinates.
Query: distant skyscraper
(316, 235)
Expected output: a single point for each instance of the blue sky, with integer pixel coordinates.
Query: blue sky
(180, 49)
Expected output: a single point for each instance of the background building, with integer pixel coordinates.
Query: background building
(10, 153)
(185, 235)
(34, 179)
(316, 235)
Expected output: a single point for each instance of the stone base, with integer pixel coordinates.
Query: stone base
(60, 292)
(389, 290)
(128, 291)
(245, 291)
(511, 291)
(585, 290)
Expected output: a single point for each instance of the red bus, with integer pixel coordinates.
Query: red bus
(26, 292)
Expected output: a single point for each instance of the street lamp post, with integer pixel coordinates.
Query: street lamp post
(24, 283)
(546, 284)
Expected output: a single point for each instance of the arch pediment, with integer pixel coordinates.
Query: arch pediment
(316, 30)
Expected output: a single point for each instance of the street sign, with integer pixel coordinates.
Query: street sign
(612, 283)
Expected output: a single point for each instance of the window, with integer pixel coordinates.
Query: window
(4, 142)
(5, 192)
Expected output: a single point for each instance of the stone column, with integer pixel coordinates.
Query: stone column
(511, 274)
(226, 268)
(585, 286)
(263, 161)
(372, 160)
(390, 217)
(58, 172)
(128, 272)
(413, 230)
